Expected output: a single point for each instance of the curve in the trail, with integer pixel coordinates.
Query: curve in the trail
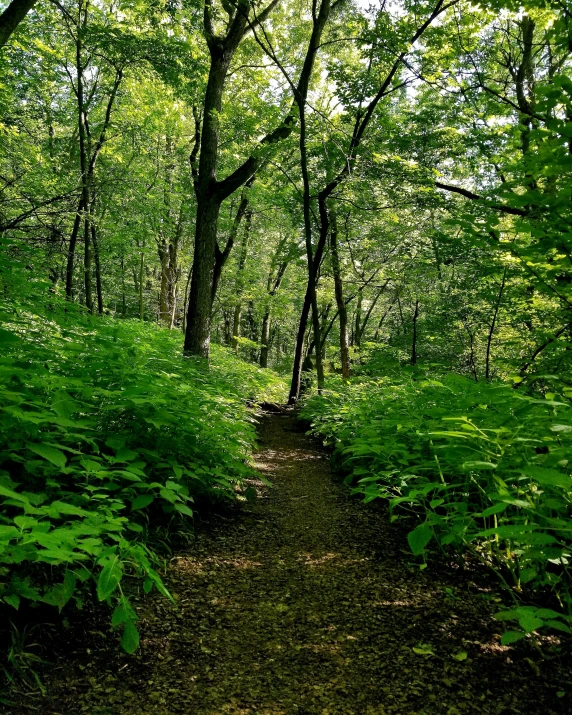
(308, 602)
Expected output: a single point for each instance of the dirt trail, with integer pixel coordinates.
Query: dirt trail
(307, 603)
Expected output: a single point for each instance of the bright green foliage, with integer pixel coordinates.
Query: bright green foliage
(107, 430)
(483, 467)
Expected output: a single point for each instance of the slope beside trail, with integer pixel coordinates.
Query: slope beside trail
(307, 602)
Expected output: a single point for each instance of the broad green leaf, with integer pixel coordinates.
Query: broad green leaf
(142, 501)
(512, 637)
(130, 638)
(419, 538)
(109, 578)
(52, 454)
(12, 600)
(529, 622)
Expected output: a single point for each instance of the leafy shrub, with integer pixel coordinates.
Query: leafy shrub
(106, 429)
(483, 467)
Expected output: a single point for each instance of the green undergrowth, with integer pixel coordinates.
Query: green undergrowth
(107, 435)
(482, 468)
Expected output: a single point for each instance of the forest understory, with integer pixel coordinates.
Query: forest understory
(303, 601)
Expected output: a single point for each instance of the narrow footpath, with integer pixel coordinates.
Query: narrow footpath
(309, 602)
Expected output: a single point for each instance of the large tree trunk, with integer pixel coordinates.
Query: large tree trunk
(12, 17)
(211, 193)
(198, 329)
(340, 303)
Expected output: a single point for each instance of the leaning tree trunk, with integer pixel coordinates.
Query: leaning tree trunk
(71, 250)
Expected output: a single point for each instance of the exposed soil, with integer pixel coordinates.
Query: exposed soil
(308, 602)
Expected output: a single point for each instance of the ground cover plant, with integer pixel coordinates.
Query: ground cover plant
(202, 199)
(108, 436)
(483, 468)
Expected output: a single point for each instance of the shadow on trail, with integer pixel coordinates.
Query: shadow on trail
(307, 603)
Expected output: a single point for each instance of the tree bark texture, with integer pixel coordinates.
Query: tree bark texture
(12, 17)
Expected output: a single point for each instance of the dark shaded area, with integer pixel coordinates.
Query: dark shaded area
(307, 602)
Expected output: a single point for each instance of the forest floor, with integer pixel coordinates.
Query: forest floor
(305, 601)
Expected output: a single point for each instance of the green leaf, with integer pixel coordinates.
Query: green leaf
(528, 575)
(142, 501)
(549, 477)
(12, 600)
(130, 638)
(419, 538)
(52, 454)
(495, 509)
(529, 622)
(512, 637)
(126, 455)
(109, 578)
(60, 594)
(183, 509)
(547, 613)
(8, 338)
(123, 612)
(558, 626)
(460, 656)
(469, 466)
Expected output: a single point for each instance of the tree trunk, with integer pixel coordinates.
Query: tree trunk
(265, 332)
(198, 329)
(221, 257)
(312, 273)
(71, 250)
(141, 275)
(239, 285)
(492, 328)
(340, 303)
(211, 193)
(265, 339)
(95, 243)
(414, 341)
(357, 319)
(299, 349)
(164, 312)
(12, 17)
(84, 165)
(123, 297)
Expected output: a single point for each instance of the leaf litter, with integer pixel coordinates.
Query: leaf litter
(304, 601)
